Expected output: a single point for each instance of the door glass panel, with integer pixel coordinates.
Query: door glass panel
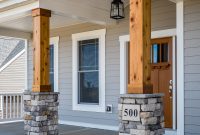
(164, 52)
(155, 53)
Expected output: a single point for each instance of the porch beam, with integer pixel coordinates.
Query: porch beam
(140, 42)
(80, 10)
(41, 50)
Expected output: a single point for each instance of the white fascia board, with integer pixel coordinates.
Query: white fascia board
(175, 1)
(8, 3)
(18, 12)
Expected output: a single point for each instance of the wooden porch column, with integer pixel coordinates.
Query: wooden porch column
(41, 50)
(140, 42)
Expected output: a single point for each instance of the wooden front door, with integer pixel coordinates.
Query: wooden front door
(161, 74)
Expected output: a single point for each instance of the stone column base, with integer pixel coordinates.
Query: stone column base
(141, 114)
(41, 113)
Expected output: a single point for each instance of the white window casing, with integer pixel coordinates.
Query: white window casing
(100, 34)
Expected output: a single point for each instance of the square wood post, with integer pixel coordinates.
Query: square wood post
(140, 42)
(41, 105)
(41, 52)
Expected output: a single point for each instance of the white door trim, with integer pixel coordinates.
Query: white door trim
(123, 63)
(180, 66)
(55, 41)
(123, 66)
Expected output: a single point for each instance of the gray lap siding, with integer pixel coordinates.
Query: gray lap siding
(192, 65)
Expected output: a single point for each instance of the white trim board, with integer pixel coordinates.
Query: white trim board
(180, 67)
(163, 33)
(89, 125)
(99, 126)
(13, 121)
(18, 12)
(12, 60)
(55, 41)
(26, 64)
(8, 3)
(100, 34)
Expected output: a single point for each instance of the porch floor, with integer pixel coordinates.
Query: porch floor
(17, 129)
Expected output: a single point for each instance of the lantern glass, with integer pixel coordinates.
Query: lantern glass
(117, 9)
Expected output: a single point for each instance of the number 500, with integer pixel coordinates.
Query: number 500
(131, 112)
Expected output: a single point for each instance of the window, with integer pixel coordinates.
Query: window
(53, 71)
(89, 71)
(156, 53)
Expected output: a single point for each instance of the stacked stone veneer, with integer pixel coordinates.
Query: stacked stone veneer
(41, 113)
(151, 115)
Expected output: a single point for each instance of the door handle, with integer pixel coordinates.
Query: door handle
(171, 88)
(171, 82)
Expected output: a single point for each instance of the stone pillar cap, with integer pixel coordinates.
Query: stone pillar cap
(40, 93)
(155, 95)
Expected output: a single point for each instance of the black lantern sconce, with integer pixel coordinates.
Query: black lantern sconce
(117, 10)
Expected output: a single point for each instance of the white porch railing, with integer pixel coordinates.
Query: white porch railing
(11, 107)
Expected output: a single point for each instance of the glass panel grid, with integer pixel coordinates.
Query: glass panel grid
(88, 55)
(164, 52)
(155, 53)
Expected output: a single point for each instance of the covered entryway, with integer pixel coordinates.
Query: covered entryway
(66, 15)
(163, 71)
(162, 74)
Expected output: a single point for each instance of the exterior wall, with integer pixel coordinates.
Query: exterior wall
(192, 66)
(11, 52)
(6, 46)
(13, 77)
(163, 18)
(163, 15)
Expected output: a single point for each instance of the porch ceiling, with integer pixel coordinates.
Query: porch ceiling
(96, 11)
(25, 23)
(64, 12)
(17, 14)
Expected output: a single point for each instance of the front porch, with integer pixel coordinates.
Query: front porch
(17, 129)
(64, 34)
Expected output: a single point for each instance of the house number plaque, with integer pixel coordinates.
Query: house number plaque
(131, 112)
